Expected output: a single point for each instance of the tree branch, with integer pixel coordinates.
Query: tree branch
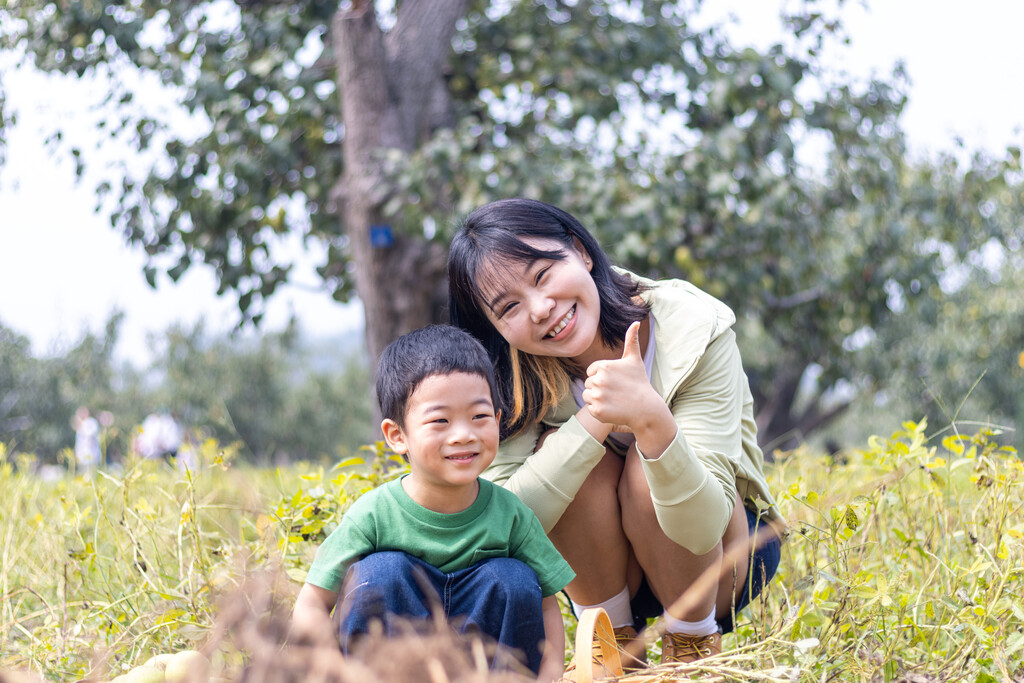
(362, 79)
(774, 416)
(813, 419)
(418, 47)
(794, 300)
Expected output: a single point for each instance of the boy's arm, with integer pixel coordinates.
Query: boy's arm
(311, 618)
(552, 662)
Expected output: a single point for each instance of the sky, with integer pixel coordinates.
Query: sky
(63, 270)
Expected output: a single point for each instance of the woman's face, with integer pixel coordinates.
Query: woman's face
(545, 307)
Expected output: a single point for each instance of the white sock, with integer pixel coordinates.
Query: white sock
(704, 627)
(617, 608)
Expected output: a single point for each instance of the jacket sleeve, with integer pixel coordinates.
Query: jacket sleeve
(546, 480)
(693, 483)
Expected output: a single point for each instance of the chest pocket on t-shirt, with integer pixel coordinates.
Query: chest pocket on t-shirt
(481, 554)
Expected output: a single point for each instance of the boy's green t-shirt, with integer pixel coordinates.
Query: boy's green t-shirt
(497, 524)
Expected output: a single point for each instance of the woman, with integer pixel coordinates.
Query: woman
(627, 424)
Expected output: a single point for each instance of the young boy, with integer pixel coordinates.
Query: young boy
(484, 553)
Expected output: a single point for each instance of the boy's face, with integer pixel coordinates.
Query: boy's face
(451, 430)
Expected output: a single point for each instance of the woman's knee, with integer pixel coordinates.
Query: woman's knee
(634, 497)
(602, 484)
(594, 511)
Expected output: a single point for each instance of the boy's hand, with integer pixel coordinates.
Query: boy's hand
(552, 663)
(311, 618)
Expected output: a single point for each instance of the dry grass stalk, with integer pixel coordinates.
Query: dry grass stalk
(253, 622)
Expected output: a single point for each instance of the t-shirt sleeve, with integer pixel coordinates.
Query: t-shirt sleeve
(346, 544)
(532, 546)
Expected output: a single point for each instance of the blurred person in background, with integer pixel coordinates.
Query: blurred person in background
(161, 435)
(87, 439)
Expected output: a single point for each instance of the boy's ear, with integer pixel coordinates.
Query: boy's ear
(394, 436)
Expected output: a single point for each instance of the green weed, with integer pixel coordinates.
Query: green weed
(904, 562)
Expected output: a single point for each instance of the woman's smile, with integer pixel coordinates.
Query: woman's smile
(562, 324)
(523, 308)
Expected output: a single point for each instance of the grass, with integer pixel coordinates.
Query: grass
(905, 562)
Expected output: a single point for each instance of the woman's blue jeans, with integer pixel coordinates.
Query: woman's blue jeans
(498, 597)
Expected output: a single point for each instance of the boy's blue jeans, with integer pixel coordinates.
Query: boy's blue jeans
(499, 597)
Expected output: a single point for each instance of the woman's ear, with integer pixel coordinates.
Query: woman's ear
(394, 436)
(578, 246)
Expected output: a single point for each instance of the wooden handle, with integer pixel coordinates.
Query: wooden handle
(595, 628)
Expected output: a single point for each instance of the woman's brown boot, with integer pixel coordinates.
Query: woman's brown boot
(683, 648)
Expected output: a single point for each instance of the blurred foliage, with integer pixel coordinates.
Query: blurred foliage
(963, 358)
(268, 393)
(39, 395)
(6, 120)
(279, 397)
(782, 188)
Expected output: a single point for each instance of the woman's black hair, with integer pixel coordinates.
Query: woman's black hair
(493, 234)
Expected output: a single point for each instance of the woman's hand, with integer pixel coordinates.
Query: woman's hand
(617, 392)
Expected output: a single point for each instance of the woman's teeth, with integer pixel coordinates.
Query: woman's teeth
(563, 322)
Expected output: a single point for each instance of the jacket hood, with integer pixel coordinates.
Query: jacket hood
(686, 321)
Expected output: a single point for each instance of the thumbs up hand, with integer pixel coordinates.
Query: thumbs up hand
(631, 345)
(617, 391)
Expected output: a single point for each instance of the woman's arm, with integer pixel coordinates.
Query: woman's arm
(695, 477)
(547, 476)
(690, 448)
(552, 662)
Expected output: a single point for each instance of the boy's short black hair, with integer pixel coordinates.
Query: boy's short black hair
(432, 350)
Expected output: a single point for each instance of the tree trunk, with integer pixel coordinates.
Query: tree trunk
(393, 95)
(779, 424)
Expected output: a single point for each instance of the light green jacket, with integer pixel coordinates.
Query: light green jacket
(698, 371)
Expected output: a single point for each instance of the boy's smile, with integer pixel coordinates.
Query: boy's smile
(450, 436)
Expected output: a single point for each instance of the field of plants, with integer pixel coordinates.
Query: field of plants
(905, 562)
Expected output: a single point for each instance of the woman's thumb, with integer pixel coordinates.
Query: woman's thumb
(631, 345)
